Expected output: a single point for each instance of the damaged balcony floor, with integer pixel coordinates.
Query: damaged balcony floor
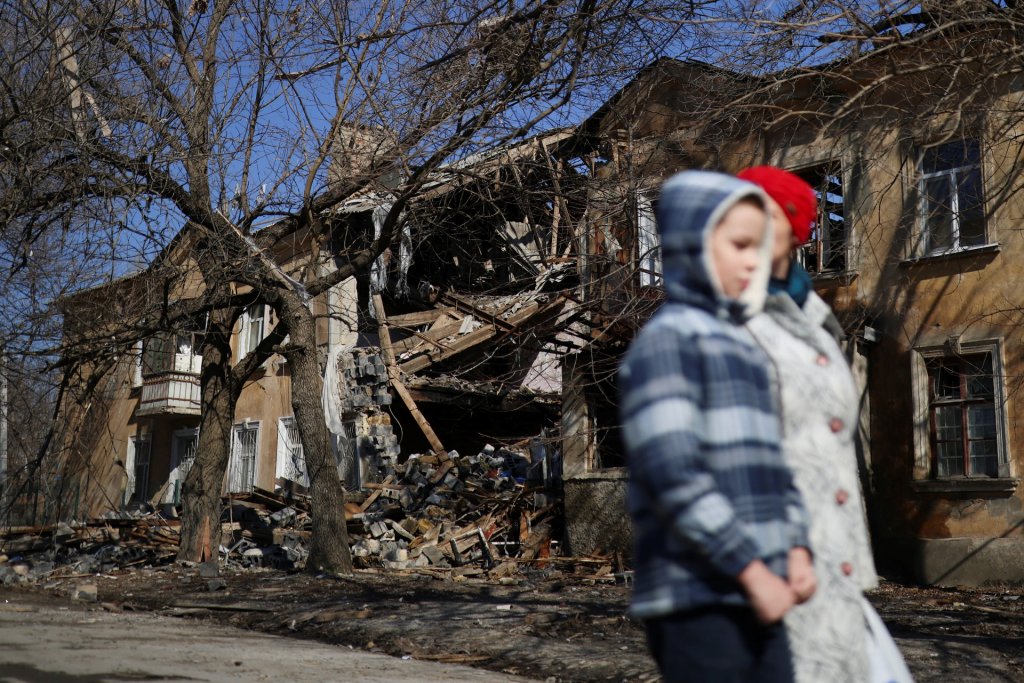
(546, 626)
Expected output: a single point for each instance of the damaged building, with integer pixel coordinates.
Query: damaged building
(520, 276)
(914, 247)
(448, 344)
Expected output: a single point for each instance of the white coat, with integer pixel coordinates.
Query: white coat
(819, 409)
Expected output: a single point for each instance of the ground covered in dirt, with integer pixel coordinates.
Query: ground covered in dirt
(547, 625)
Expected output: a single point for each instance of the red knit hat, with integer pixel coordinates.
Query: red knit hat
(791, 192)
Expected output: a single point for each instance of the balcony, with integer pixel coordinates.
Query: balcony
(174, 391)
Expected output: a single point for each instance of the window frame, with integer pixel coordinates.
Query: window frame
(234, 482)
(177, 474)
(246, 342)
(649, 265)
(830, 167)
(925, 234)
(925, 452)
(286, 447)
(138, 460)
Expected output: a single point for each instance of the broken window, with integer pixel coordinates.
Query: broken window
(291, 463)
(951, 202)
(245, 443)
(962, 393)
(826, 252)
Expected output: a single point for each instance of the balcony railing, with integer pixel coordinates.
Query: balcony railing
(170, 393)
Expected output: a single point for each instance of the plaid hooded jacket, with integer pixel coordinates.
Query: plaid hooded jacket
(709, 491)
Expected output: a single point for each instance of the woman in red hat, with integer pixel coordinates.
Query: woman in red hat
(836, 635)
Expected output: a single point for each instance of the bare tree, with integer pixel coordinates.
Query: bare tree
(146, 117)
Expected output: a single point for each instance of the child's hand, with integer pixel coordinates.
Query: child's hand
(770, 596)
(801, 574)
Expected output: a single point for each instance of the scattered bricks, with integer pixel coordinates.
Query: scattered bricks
(411, 525)
(284, 517)
(85, 592)
(378, 530)
(434, 555)
(400, 531)
(214, 585)
(397, 555)
(208, 570)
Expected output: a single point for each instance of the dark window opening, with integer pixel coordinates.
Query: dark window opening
(826, 252)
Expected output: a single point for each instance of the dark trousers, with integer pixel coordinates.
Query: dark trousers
(719, 645)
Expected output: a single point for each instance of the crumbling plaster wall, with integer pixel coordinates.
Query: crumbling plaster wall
(596, 519)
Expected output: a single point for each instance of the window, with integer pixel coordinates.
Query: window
(951, 204)
(252, 329)
(960, 423)
(963, 416)
(291, 463)
(175, 351)
(139, 449)
(245, 444)
(826, 252)
(136, 364)
(648, 246)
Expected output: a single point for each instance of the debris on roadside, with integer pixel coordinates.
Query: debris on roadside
(445, 515)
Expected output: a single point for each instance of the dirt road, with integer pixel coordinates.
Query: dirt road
(547, 626)
(43, 643)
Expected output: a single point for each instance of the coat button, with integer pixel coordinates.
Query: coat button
(842, 496)
(835, 424)
(847, 568)
(822, 360)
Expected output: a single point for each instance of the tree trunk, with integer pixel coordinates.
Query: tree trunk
(201, 491)
(329, 549)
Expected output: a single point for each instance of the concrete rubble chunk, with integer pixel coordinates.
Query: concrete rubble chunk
(85, 592)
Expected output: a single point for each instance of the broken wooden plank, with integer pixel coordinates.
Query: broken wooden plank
(237, 607)
(417, 318)
(469, 307)
(432, 337)
(479, 336)
(396, 381)
(376, 494)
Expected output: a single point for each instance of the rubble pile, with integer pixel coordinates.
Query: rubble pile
(31, 553)
(443, 514)
(484, 513)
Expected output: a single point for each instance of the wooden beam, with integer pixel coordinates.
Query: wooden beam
(432, 337)
(396, 381)
(417, 318)
(479, 336)
(485, 316)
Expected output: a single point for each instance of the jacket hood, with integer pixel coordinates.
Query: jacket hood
(692, 203)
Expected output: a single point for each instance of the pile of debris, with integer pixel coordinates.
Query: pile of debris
(442, 514)
(484, 513)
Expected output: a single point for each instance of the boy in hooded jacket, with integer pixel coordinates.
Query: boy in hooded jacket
(720, 531)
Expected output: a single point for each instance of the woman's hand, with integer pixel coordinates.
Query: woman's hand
(801, 574)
